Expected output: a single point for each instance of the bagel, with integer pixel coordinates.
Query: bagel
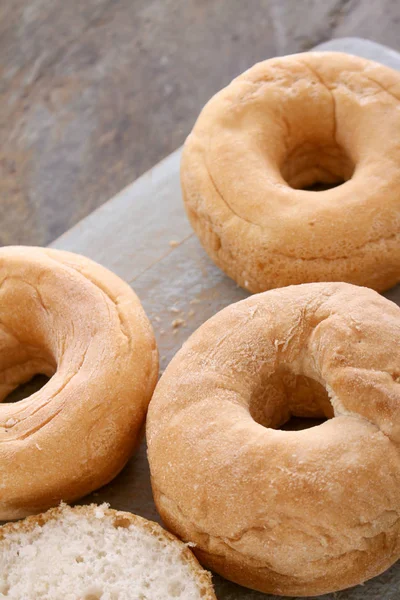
(69, 318)
(285, 512)
(94, 552)
(277, 129)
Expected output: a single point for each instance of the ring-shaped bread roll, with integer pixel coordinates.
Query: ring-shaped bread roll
(285, 512)
(67, 317)
(276, 130)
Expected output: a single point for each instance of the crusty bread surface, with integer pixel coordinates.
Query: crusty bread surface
(67, 317)
(296, 513)
(277, 129)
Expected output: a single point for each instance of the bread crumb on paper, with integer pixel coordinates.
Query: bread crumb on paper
(174, 243)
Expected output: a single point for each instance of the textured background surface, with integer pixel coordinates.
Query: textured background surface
(93, 94)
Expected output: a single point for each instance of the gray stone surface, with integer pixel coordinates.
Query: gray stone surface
(94, 93)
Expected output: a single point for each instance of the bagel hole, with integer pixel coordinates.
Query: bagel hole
(290, 402)
(28, 388)
(316, 168)
(299, 423)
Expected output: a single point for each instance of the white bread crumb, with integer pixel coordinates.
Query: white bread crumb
(92, 553)
(177, 323)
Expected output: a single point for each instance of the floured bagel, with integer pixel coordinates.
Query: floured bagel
(277, 129)
(95, 553)
(294, 513)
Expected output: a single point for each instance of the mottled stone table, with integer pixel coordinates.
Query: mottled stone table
(142, 234)
(94, 93)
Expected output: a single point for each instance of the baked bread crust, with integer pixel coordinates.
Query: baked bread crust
(283, 125)
(285, 512)
(67, 317)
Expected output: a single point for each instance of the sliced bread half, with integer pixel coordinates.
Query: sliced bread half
(96, 553)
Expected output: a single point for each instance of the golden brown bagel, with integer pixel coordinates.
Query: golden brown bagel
(67, 317)
(285, 512)
(283, 125)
